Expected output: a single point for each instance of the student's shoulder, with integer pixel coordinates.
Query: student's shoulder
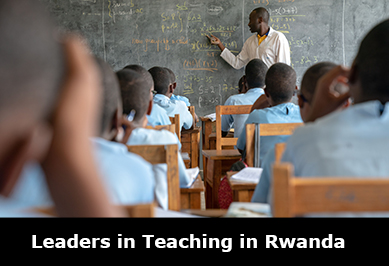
(144, 136)
(117, 153)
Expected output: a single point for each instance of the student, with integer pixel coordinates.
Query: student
(137, 98)
(178, 97)
(355, 141)
(174, 84)
(266, 44)
(255, 73)
(49, 114)
(164, 88)
(128, 178)
(308, 85)
(280, 87)
(158, 115)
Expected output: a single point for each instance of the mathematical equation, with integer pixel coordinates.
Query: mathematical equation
(164, 42)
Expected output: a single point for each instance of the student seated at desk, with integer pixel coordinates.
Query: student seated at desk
(255, 73)
(164, 89)
(128, 178)
(353, 142)
(280, 87)
(308, 86)
(48, 112)
(138, 98)
(158, 115)
(178, 97)
(174, 84)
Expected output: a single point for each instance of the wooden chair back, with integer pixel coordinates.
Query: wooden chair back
(171, 128)
(227, 110)
(176, 122)
(279, 151)
(167, 154)
(298, 196)
(193, 113)
(253, 138)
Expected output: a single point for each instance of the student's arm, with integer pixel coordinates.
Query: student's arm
(70, 170)
(326, 100)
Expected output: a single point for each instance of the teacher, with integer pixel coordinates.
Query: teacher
(268, 44)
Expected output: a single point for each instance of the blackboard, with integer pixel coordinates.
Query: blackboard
(172, 34)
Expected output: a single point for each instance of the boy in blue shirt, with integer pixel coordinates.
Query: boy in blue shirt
(255, 73)
(158, 115)
(164, 89)
(138, 98)
(128, 178)
(280, 87)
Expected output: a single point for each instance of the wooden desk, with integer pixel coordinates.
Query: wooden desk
(190, 143)
(191, 197)
(241, 191)
(216, 164)
(208, 127)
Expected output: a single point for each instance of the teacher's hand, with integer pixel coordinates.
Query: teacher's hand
(214, 40)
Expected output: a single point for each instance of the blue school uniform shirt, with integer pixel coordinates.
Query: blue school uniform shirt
(261, 192)
(158, 116)
(237, 121)
(175, 107)
(143, 136)
(352, 142)
(180, 98)
(282, 113)
(127, 177)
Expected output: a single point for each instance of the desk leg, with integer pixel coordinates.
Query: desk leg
(214, 169)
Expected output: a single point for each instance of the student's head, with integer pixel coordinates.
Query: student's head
(135, 93)
(111, 107)
(369, 79)
(257, 17)
(280, 84)
(308, 85)
(173, 82)
(162, 80)
(147, 78)
(27, 94)
(242, 85)
(255, 73)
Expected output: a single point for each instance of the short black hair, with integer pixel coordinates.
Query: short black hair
(255, 72)
(110, 95)
(281, 82)
(135, 92)
(161, 78)
(28, 38)
(372, 62)
(172, 75)
(262, 13)
(147, 78)
(311, 76)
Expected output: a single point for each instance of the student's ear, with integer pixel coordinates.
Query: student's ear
(174, 85)
(296, 89)
(32, 147)
(150, 108)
